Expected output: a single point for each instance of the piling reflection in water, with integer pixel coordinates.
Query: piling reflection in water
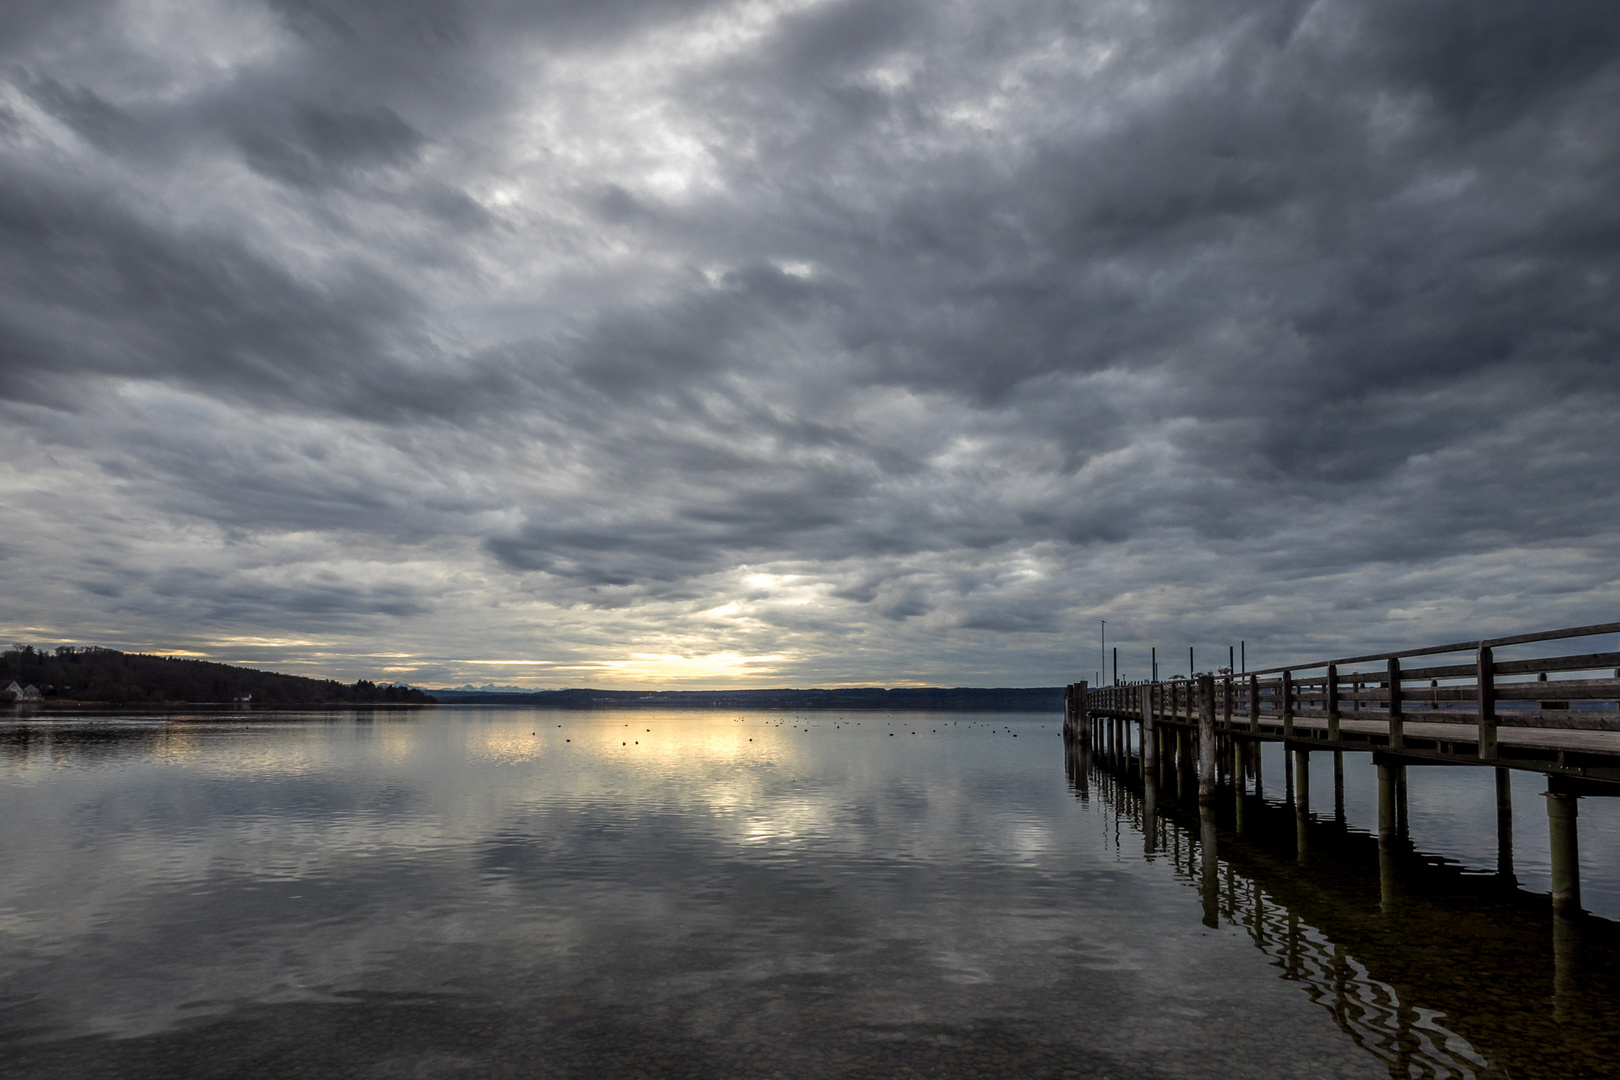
(1433, 971)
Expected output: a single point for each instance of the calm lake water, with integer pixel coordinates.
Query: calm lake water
(469, 892)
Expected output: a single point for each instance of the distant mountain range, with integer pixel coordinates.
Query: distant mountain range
(937, 698)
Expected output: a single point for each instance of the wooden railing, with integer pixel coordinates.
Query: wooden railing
(1389, 690)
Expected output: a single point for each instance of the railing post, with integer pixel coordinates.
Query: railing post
(1397, 724)
(1226, 703)
(1333, 702)
(1287, 704)
(1254, 703)
(1487, 704)
(1206, 738)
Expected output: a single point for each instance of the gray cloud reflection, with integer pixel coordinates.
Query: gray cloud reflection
(809, 889)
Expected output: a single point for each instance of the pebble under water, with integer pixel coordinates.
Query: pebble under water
(503, 892)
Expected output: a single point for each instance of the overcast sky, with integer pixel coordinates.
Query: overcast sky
(747, 343)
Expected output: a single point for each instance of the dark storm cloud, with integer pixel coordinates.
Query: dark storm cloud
(962, 325)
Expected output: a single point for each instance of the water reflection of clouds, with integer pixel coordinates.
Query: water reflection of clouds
(927, 880)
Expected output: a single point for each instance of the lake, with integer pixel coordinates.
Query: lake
(497, 892)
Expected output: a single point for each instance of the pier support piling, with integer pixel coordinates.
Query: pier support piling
(1565, 850)
(1504, 826)
(1338, 786)
(1150, 740)
(1302, 804)
(1206, 740)
(1402, 826)
(1238, 799)
(1386, 837)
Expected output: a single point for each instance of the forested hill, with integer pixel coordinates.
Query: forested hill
(106, 676)
(931, 698)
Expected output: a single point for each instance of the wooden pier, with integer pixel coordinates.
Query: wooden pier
(1553, 711)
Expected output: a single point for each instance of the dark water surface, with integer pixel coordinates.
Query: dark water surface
(634, 894)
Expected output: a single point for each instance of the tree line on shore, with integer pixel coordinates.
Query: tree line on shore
(107, 676)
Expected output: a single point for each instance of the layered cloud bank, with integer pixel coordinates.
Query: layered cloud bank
(796, 343)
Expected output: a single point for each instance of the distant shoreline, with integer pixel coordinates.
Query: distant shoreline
(56, 704)
(853, 699)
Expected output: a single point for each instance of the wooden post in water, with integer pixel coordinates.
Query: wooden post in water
(1566, 897)
(1333, 702)
(1487, 704)
(1239, 752)
(1386, 836)
(1302, 802)
(1181, 763)
(1401, 824)
(1504, 825)
(1338, 786)
(1397, 727)
(1566, 862)
(1206, 739)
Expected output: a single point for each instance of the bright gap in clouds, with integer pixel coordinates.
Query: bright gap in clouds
(804, 344)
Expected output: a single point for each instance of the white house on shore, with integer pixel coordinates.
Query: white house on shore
(23, 693)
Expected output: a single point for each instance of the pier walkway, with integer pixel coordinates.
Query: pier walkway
(1524, 702)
